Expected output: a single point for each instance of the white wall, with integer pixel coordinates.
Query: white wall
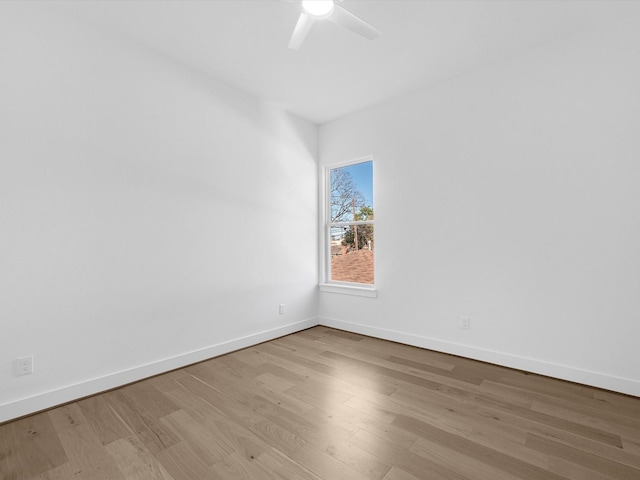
(510, 195)
(149, 216)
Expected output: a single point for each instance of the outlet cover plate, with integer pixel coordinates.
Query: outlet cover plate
(24, 365)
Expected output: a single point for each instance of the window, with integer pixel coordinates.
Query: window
(349, 229)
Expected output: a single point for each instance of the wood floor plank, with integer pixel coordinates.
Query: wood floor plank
(283, 467)
(372, 362)
(489, 456)
(398, 474)
(402, 458)
(226, 434)
(407, 352)
(324, 465)
(619, 455)
(269, 432)
(201, 440)
(353, 419)
(238, 467)
(580, 457)
(533, 419)
(181, 463)
(606, 408)
(267, 466)
(8, 458)
(625, 404)
(610, 415)
(86, 454)
(287, 370)
(462, 417)
(464, 373)
(250, 356)
(490, 433)
(311, 367)
(481, 399)
(613, 451)
(631, 446)
(367, 368)
(233, 377)
(31, 446)
(61, 472)
(167, 381)
(274, 382)
(548, 386)
(296, 358)
(155, 404)
(323, 404)
(318, 394)
(345, 380)
(572, 413)
(358, 459)
(135, 461)
(219, 376)
(422, 365)
(142, 423)
(304, 427)
(573, 471)
(303, 346)
(460, 462)
(66, 416)
(382, 409)
(107, 425)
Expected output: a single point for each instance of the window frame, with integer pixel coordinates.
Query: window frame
(327, 284)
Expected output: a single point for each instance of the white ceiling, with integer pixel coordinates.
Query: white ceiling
(244, 42)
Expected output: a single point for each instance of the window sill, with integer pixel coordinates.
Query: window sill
(357, 291)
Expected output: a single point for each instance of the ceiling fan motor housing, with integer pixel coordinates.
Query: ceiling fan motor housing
(318, 8)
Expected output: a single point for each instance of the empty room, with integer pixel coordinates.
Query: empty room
(320, 240)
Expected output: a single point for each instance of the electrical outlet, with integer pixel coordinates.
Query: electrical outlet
(281, 309)
(24, 365)
(465, 323)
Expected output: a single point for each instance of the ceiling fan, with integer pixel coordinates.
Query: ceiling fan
(317, 10)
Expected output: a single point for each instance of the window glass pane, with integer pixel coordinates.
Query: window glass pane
(338, 243)
(351, 192)
(352, 254)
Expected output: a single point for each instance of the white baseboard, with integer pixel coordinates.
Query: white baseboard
(563, 372)
(26, 406)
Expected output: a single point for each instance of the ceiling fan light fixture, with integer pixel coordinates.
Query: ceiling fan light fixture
(318, 8)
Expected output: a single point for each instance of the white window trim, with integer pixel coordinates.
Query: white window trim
(356, 289)
(326, 284)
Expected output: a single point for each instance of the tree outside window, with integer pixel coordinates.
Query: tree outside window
(351, 223)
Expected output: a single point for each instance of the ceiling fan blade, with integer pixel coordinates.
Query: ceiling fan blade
(345, 18)
(305, 22)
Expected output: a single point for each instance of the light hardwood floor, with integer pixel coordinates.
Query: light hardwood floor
(326, 404)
